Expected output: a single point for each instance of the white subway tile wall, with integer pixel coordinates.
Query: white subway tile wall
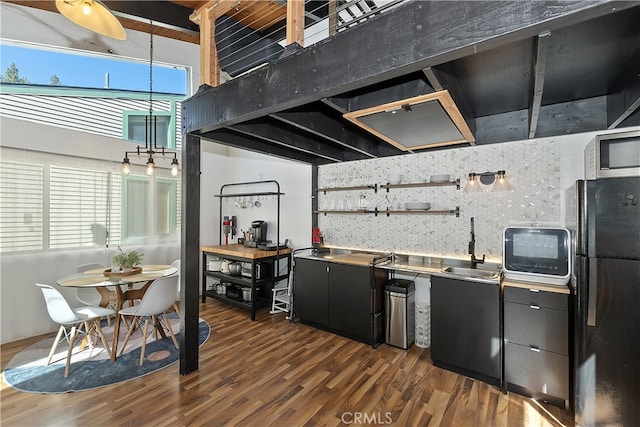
(532, 167)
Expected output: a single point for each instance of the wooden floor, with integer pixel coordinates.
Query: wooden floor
(273, 372)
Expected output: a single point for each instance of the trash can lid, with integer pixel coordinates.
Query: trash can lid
(403, 286)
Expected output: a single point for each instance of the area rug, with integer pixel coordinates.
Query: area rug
(92, 368)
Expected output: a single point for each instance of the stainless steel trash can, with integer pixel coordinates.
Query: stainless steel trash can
(399, 306)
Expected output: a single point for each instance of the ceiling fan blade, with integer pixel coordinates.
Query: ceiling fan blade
(99, 20)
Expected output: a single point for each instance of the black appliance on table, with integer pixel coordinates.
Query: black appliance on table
(605, 216)
(258, 234)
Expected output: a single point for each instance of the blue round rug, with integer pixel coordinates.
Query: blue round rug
(92, 368)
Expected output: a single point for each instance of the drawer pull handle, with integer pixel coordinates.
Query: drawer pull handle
(534, 290)
(536, 349)
(535, 307)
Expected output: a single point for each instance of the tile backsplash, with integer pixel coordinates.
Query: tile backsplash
(532, 167)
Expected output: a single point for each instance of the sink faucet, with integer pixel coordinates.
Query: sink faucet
(472, 248)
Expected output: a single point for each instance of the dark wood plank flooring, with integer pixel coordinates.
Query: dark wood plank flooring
(273, 372)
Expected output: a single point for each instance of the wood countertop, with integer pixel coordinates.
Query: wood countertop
(539, 286)
(243, 251)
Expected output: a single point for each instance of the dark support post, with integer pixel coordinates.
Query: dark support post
(314, 195)
(190, 256)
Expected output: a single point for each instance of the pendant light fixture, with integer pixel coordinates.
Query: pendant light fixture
(92, 15)
(150, 129)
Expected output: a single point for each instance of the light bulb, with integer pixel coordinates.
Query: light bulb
(126, 166)
(502, 184)
(472, 184)
(174, 167)
(86, 8)
(150, 165)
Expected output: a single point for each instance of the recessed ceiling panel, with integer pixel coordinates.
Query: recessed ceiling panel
(424, 121)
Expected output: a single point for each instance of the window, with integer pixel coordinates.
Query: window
(80, 207)
(140, 195)
(21, 206)
(56, 202)
(135, 128)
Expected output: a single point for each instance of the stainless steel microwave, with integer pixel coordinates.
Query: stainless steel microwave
(613, 155)
(537, 254)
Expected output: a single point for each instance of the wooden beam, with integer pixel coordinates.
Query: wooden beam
(342, 65)
(209, 64)
(190, 270)
(245, 142)
(337, 132)
(624, 99)
(295, 22)
(543, 42)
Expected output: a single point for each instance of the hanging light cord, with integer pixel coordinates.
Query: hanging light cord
(150, 69)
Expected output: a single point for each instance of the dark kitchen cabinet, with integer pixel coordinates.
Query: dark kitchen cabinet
(536, 336)
(465, 328)
(341, 298)
(311, 292)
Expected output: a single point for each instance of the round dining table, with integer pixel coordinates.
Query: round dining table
(101, 278)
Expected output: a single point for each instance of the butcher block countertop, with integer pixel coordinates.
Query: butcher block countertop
(243, 251)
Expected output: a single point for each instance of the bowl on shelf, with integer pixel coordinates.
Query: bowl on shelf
(440, 178)
(417, 206)
(395, 179)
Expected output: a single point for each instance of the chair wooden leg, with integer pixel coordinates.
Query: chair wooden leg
(175, 307)
(173, 337)
(129, 332)
(55, 344)
(144, 340)
(102, 337)
(72, 340)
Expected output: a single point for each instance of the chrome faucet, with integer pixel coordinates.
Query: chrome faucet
(472, 248)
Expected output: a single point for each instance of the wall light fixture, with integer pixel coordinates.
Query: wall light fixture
(489, 181)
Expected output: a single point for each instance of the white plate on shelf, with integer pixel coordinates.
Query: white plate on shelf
(417, 206)
(440, 178)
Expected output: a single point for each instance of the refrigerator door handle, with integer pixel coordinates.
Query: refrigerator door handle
(593, 286)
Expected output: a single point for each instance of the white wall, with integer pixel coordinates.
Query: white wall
(239, 166)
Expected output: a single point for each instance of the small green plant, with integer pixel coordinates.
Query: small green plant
(127, 259)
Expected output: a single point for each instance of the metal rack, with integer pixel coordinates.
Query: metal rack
(277, 193)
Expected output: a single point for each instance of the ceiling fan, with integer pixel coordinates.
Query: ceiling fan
(92, 15)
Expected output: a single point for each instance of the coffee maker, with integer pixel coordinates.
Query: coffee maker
(258, 232)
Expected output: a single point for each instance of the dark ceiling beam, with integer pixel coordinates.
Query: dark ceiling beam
(416, 35)
(163, 13)
(388, 92)
(624, 98)
(452, 84)
(564, 118)
(294, 141)
(335, 131)
(433, 80)
(539, 69)
(235, 140)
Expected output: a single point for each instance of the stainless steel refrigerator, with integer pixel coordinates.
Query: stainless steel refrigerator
(604, 215)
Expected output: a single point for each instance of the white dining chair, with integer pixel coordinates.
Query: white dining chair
(159, 297)
(94, 296)
(72, 320)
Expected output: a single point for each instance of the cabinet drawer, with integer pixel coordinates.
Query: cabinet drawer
(543, 328)
(538, 298)
(542, 372)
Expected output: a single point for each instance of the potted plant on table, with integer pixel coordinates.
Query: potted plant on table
(126, 261)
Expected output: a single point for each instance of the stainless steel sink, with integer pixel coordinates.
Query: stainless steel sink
(472, 273)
